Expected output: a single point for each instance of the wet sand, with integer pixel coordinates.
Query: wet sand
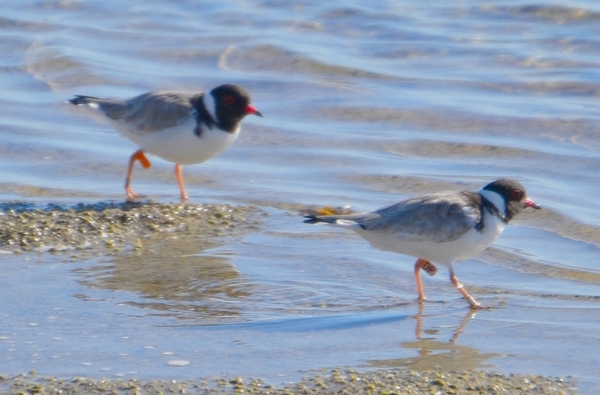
(109, 227)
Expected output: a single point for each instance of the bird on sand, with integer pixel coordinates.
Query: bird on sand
(183, 127)
(442, 227)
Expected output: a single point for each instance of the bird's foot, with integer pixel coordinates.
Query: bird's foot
(424, 301)
(474, 305)
(480, 307)
(130, 194)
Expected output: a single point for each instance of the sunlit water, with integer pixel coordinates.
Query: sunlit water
(365, 103)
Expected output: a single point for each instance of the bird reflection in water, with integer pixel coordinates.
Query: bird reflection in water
(436, 354)
(188, 278)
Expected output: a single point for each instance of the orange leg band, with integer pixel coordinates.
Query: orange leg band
(139, 156)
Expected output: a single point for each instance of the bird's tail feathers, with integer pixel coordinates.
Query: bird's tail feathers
(320, 221)
(326, 215)
(317, 219)
(313, 220)
(80, 100)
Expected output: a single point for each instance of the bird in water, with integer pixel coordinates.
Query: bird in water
(442, 227)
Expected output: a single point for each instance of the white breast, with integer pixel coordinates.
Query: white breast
(469, 244)
(180, 144)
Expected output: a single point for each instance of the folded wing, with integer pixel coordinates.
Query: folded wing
(146, 113)
(439, 217)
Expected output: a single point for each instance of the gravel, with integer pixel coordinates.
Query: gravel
(379, 382)
(111, 226)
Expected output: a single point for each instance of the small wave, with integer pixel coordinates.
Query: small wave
(267, 58)
(555, 13)
(448, 149)
(517, 262)
(50, 65)
(452, 120)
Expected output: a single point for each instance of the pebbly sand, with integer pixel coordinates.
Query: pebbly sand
(382, 382)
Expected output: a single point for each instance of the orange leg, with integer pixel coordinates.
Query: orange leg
(418, 265)
(139, 156)
(184, 195)
(474, 304)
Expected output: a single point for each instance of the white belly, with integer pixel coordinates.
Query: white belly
(180, 144)
(469, 244)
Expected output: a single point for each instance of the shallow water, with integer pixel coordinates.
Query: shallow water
(365, 104)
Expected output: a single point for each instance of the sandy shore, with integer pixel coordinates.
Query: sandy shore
(382, 382)
(108, 227)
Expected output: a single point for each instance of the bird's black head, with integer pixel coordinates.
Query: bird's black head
(232, 104)
(514, 195)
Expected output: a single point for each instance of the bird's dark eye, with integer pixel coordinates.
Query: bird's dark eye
(229, 100)
(516, 194)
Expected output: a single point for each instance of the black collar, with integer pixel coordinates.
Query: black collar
(203, 116)
(492, 209)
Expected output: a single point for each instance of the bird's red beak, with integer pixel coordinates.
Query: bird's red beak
(250, 109)
(532, 204)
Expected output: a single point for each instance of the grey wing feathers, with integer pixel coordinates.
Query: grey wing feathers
(440, 217)
(114, 109)
(148, 112)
